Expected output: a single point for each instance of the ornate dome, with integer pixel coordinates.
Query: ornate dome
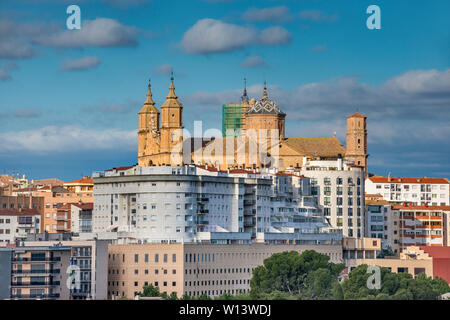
(265, 105)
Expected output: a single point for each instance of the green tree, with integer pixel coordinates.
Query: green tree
(395, 286)
(150, 291)
(284, 275)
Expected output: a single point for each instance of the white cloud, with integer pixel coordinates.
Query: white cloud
(101, 32)
(275, 35)
(15, 49)
(68, 138)
(213, 36)
(80, 64)
(275, 14)
(164, 69)
(253, 62)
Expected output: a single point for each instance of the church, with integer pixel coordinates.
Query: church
(261, 142)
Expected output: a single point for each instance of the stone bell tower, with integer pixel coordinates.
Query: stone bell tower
(356, 148)
(148, 133)
(171, 150)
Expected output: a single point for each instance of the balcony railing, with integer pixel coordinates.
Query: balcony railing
(36, 296)
(35, 283)
(46, 259)
(43, 271)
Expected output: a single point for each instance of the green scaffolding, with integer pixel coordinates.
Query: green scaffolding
(231, 119)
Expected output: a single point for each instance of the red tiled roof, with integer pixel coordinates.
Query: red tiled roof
(407, 180)
(241, 171)
(82, 180)
(18, 212)
(84, 206)
(414, 207)
(120, 168)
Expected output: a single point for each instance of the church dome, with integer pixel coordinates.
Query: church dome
(265, 105)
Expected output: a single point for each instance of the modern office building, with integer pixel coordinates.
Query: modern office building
(194, 269)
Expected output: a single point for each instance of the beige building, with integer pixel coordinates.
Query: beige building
(412, 260)
(55, 197)
(193, 269)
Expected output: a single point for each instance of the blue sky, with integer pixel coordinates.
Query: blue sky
(69, 99)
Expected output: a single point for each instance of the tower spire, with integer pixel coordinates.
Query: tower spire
(244, 97)
(172, 94)
(265, 89)
(149, 99)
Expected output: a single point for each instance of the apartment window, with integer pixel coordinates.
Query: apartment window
(146, 257)
(338, 181)
(174, 257)
(136, 258)
(165, 257)
(156, 257)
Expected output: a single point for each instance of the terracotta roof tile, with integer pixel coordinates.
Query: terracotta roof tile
(320, 147)
(407, 180)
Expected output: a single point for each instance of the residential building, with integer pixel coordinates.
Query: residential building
(196, 203)
(338, 188)
(421, 191)
(55, 197)
(194, 269)
(59, 270)
(84, 185)
(383, 223)
(422, 225)
(17, 224)
(81, 217)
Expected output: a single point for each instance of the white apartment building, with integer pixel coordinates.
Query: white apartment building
(201, 204)
(81, 218)
(420, 191)
(16, 224)
(338, 189)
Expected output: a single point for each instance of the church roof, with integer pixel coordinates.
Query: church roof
(319, 147)
(265, 106)
(357, 115)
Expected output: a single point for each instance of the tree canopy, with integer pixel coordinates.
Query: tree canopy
(394, 286)
(285, 275)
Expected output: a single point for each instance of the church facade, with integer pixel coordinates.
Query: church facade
(261, 142)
